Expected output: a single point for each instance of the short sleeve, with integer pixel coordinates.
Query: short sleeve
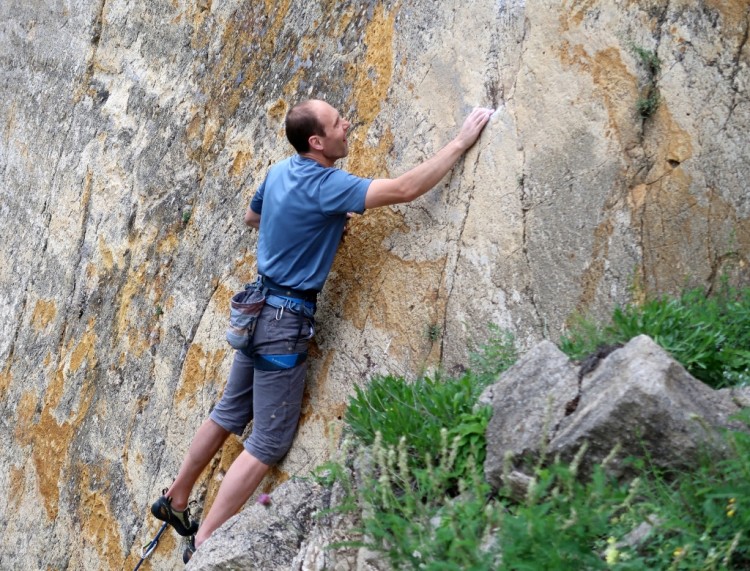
(256, 204)
(342, 192)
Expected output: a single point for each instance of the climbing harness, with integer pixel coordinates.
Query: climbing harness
(148, 549)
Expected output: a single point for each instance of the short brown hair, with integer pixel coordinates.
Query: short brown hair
(301, 124)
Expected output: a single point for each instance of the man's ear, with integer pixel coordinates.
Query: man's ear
(315, 143)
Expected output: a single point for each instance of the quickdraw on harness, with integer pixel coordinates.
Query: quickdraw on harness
(148, 549)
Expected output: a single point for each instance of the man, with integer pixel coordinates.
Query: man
(301, 210)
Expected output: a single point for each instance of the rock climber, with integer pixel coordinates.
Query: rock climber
(301, 210)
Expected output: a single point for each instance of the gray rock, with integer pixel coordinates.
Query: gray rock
(636, 401)
(264, 538)
(644, 402)
(528, 402)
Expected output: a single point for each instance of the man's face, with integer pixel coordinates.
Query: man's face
(335, 145)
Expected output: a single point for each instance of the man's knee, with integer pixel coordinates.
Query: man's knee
(267, 451)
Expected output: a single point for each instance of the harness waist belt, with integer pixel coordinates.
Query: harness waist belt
(276, 289)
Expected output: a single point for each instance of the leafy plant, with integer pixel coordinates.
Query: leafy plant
(494, 356)
(648, 104)
(433, 332)
(709, 335)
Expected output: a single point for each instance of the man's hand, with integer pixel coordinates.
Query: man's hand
(415, 182)
(473, 126)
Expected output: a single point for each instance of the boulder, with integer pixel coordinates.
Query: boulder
(528, 401)
(264, 537)
(297, 530)
(636, 401)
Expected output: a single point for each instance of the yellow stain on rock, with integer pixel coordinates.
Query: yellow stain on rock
(100, 528)
(201, 367)
(45, 311)
(108, 260)
(48, 438)
(239, 164)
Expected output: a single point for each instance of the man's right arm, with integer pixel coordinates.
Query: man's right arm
(416, 182)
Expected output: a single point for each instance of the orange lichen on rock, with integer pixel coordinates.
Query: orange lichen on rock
(214, 474)
(15, 490)
(48, 437)
(274, 478)
(239, 164)
(614, 83)
(200, 368)
(100, 528)
(45, 311)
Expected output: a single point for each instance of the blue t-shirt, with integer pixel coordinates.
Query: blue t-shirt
(303, 208)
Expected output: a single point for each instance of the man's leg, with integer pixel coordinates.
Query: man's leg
(206, 442)
(238, 485)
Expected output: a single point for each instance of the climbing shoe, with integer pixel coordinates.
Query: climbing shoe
(189, 550)
(179, 520)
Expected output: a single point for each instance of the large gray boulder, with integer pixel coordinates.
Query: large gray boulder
(636, 401)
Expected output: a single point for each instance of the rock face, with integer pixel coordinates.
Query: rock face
(132, 136)
(637, 400)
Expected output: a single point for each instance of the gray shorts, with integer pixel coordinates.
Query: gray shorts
(272, 399)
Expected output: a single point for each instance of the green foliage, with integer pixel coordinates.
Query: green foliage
(704, 515)
(413, 469)
(563, 522)
(433, 332)
(413, 517)
(186, 214)
(710, 336)
(494, 356)
(649, 60)
(390, 408)
(648, 104)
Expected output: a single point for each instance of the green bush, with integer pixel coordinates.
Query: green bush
(709, 335)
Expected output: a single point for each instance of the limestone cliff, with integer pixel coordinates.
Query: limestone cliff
(133, 134)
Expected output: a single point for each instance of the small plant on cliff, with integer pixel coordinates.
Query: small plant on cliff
(433, 332)
(649, 101)
(709, 335)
